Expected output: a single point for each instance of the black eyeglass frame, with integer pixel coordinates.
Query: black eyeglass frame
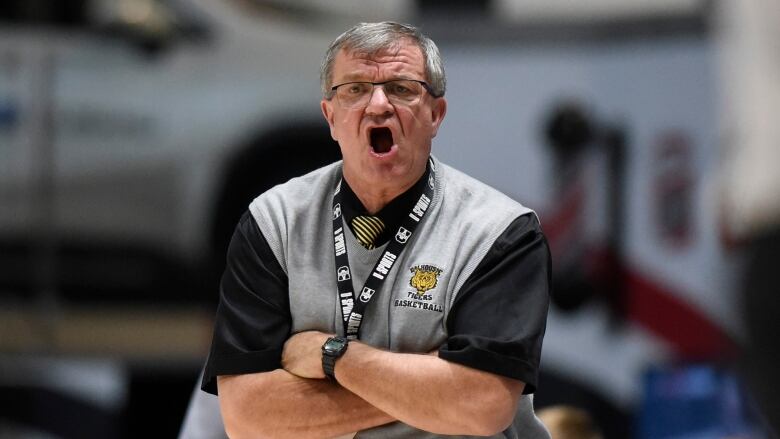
(423, 83)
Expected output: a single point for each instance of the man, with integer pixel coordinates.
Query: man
(424, 319)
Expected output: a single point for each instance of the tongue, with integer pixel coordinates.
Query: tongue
(381, 140)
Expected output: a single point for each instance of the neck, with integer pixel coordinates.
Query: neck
(375, 197)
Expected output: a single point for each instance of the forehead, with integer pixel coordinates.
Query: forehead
(404, 59)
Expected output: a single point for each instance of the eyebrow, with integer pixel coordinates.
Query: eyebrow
(354, 76)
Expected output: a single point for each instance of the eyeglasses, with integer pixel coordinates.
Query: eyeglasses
(398, 91)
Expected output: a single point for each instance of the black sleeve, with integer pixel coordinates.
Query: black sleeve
(499, 316)
(253, 318)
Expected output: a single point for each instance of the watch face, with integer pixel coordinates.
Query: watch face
(333, 346)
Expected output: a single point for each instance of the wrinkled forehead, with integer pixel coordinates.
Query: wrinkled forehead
(402, 58)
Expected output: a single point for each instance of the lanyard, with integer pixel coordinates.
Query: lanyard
(353, 308)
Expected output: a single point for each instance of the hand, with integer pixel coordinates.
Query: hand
(302, 354)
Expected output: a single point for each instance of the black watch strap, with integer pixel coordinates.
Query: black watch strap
(332, 350)
(328, 366)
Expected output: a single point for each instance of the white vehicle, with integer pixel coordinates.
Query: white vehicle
(133, 133)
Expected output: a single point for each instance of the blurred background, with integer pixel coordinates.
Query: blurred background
(134, 133)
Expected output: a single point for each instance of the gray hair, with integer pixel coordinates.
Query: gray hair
(372, 38)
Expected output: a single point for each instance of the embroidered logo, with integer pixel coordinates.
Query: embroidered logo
(336, 211)
(425, 278)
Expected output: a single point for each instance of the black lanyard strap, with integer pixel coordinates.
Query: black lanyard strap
(353, 308)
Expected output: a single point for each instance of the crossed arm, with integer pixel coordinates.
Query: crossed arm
(374, 387)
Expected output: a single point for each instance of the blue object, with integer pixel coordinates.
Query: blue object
(694, 401)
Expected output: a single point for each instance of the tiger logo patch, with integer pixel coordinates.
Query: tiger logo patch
(424, 278)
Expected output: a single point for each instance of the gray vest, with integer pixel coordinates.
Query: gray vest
(409, 313)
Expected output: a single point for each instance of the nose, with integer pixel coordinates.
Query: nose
(378, 104)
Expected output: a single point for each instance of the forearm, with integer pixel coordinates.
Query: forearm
(278, 404)
(429, 393)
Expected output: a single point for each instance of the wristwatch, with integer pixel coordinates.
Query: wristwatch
(332, 350)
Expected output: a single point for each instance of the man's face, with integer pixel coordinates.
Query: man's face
(383, 145)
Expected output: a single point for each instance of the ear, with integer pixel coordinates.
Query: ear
(327, 111)
(438, 111)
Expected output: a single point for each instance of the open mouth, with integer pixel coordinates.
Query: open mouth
(381, 140)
